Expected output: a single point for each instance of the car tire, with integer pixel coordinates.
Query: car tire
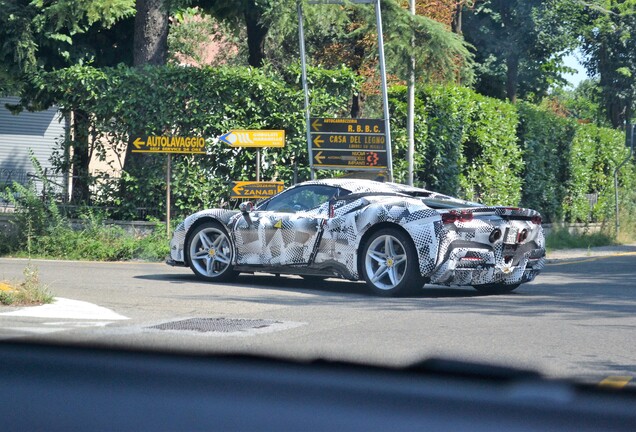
(210, 253)
(390, 264)
(499, 288)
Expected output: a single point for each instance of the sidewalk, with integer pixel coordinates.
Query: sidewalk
(563, 254)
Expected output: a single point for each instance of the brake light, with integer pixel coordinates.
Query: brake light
(536, 220)
(456, 216)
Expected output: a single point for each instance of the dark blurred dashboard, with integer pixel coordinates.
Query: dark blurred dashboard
(47, 387)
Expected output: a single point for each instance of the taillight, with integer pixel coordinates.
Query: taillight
(457, 216)
(536, 220)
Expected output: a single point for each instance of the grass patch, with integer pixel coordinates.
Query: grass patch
(97, 242)
(43, 232)
(29, 292)
(562, 239)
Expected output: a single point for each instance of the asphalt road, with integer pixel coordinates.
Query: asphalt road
(577, 320)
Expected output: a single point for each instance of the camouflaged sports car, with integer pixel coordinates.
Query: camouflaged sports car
(395, 237)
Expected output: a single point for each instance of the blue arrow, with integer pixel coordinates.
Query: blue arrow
(224, 138)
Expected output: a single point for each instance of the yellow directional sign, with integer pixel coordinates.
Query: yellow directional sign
(350, 159)
(169, 144)
(347, 141)
(254, 138)
(255, 189)
(347, 125)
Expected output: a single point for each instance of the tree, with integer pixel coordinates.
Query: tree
(609, 43)
(347, 35)
(251, 14)
(42, 35)
(519, 44)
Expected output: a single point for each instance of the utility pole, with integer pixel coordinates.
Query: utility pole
(410, 117)
(629, 141)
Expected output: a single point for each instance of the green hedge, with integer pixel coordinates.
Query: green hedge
(566, 162)
(491, 151)
(465, 144)
(545, 140)
(208, 102)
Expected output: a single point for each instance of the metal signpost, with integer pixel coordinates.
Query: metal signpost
(345, 157)
(169, 145)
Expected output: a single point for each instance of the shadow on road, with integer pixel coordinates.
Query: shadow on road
(326, 287)
(574, 290)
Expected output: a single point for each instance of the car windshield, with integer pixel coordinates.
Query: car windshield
(275, 179)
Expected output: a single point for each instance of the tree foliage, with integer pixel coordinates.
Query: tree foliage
(188, 101)
(519, 45)
(609, 43)
(41, 34)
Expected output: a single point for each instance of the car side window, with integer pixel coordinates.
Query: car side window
(301, 199)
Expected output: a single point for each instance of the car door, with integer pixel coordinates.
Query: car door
(285, 229)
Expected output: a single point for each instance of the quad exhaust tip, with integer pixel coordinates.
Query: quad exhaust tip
(494, 235)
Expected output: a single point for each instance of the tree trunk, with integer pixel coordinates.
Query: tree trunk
(256, 33)
(81, 158)
(456, 24)
(151, 33)
(512, 77)
(356, 105)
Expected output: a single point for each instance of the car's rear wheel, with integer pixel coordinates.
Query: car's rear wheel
(499, 288)
(210, 253)
(390, 264)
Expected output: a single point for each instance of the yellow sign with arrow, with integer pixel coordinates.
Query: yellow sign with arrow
(254, 138)
(255, 189)
(169, 144)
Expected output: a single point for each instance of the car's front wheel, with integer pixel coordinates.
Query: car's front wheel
(210, 253)
(390, 264)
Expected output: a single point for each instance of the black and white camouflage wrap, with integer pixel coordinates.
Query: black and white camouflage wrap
(328, 239)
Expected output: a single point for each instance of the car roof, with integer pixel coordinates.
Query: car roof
(358, 185)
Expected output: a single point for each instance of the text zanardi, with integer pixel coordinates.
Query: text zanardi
(176, 142)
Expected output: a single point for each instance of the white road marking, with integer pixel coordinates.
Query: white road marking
(63, 308)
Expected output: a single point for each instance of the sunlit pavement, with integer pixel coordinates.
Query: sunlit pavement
(576, 320)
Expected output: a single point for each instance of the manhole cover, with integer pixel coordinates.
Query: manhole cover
(216, 325)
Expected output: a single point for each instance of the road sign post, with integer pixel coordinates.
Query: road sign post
(168, 145)
(387, 128)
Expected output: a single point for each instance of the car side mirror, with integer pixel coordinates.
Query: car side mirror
(246, 207)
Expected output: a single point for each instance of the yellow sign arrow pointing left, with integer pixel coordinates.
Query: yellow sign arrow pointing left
(316, 124)
(319, 158)
(318, 140)
(237, 189)
(138, 143)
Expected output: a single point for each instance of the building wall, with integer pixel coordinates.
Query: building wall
(36, 131)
